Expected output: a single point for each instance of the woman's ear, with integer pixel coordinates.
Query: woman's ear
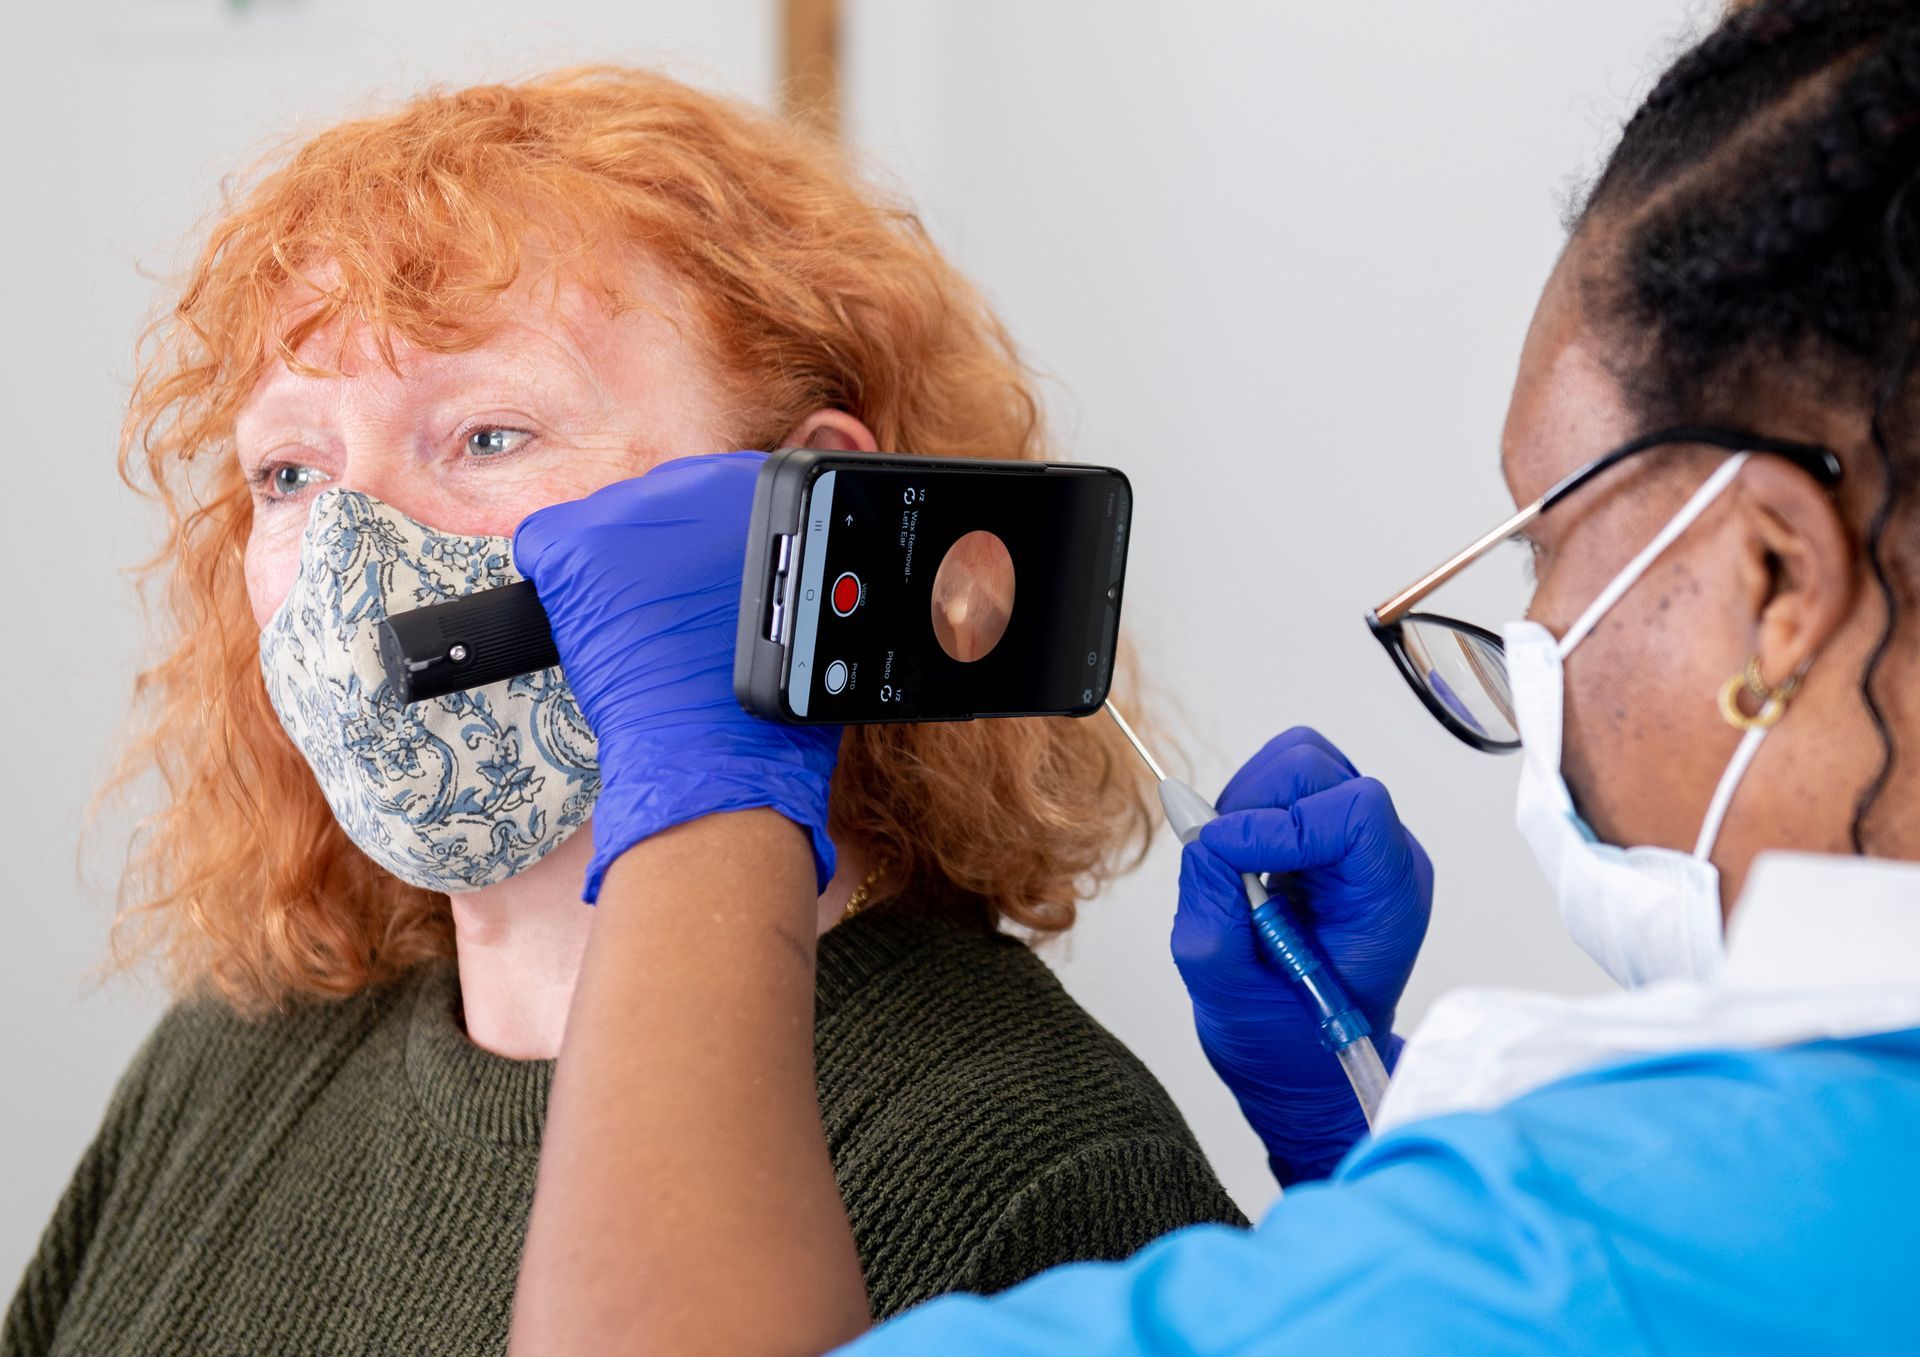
(831, 431)
(1806, 561)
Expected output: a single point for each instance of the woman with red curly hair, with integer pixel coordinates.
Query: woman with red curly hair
(398, 342)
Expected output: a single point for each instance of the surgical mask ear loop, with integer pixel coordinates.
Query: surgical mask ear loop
(1640, 564)
(1629, 576)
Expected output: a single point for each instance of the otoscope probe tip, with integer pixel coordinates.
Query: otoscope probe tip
(1153, 764)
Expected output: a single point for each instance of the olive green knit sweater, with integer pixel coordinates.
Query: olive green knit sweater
(355, 1177)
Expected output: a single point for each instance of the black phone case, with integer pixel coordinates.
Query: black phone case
(779, 499)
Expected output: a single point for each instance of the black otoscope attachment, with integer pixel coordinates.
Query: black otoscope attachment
(480, 639)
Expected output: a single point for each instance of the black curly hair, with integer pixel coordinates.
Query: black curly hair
(1758, 218)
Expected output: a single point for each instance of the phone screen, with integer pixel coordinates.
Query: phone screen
(954, 593)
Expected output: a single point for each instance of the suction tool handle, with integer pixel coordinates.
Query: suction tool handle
(483, 638)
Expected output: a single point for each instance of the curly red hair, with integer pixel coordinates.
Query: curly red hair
(813, 293)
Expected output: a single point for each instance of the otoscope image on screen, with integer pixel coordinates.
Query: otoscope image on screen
(973, 596)
(957, 593)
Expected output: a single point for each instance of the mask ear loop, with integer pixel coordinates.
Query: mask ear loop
(1640, 564)
(1723, 794)
(1628, 577)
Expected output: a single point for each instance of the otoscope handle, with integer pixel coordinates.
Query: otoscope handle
(1341, 1024)
(483, 638)
(1188, 812)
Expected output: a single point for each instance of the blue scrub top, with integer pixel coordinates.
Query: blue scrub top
(1736, 1202)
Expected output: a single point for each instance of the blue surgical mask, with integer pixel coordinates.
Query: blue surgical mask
(453, 793)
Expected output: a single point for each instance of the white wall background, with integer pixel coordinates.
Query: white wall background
(1277, 256)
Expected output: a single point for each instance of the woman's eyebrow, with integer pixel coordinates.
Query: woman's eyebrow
(500, 393)
(532, 363)
(271, 411)
(1505, 474)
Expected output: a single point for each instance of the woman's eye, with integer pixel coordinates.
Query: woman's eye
(289, 478)
(491, 442)
(1530, 554)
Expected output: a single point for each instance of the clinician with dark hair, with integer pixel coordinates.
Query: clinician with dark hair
(1713, 448)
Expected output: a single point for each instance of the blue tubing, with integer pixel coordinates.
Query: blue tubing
(1341, 1024)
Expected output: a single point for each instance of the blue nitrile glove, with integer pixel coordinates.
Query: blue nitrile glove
(1362, 887)
(641, 581)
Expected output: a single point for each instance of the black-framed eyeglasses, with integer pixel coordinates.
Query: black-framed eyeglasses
(1459, 670)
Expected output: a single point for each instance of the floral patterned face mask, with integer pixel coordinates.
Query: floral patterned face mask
(452, 793)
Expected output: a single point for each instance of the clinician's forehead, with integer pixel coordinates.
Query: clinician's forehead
(1567, 408)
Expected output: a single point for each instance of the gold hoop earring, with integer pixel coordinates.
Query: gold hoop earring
(1773, 701)
(858, 900)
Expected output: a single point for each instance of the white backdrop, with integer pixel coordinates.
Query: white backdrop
(1277, 258)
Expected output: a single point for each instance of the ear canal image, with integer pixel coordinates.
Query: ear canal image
(973, 596)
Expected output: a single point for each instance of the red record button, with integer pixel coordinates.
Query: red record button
(846, 593)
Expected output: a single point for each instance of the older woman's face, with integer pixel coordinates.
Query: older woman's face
(562, 399)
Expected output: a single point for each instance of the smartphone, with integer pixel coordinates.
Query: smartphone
(892, 588)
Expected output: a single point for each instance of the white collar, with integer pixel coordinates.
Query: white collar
(1808, 920)
(1819, 947)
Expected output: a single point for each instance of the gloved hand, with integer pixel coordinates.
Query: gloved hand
(1361, 886)
(641, 581)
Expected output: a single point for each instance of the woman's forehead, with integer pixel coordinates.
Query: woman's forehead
(550, 327)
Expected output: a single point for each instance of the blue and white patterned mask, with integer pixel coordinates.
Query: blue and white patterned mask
(454, 793)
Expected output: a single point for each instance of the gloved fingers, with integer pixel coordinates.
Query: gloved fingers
(1367, 881)
(536, 536)
(691, 465)
(1209, 888)
(1351, 826)
(714, 487)
(1212, 916)
(1422, 865)
(1384, 854)
(1292, 766)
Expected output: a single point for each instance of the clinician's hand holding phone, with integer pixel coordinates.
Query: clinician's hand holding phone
(640, 581)
(874, 587)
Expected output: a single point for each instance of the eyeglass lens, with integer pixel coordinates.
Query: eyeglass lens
(1466, 674)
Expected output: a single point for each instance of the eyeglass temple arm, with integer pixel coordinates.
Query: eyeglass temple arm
(1403, 602)
(1816, 461)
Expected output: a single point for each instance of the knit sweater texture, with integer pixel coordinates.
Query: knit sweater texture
(355, 1177)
